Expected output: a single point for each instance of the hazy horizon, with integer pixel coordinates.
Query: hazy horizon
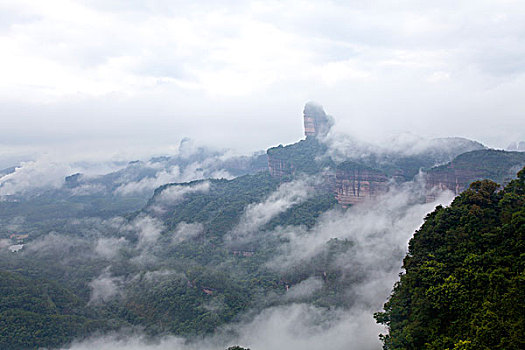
(132, 80)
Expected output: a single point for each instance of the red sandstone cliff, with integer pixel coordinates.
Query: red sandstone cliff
(456, 176)
(316, 122)
(354, 183)
(455, 180)
(279, 168)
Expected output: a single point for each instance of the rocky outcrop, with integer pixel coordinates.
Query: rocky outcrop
(305, 156)
(448, 178)
(456, 176)
(279, 168)
(355, 183)
(371, 173)
(316, 122)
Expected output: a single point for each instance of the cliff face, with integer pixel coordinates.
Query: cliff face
(279, 168)
(456, 176)
(455, 180)
(369, 175)
(316, 122)
(354, 183)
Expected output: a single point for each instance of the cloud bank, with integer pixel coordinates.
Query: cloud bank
(258, 214)
(237, 74)
(378, 231)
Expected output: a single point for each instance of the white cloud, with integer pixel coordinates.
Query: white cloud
(295, 327)
(109, 247)
(175, 193)
(150, 183)
(88, 189)
(235, 71)
(304, 289)
(104, 288)
(159, 275)
(147, 228)
(185, 231)
(379, 230)
(32, 175)
(256, 215)
(173, 174)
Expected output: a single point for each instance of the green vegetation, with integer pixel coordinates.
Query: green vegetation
(38, 313)
(220, 207)
(306, 156)
(500, 166)
(465, 270)
(305, 213)
(187, 288)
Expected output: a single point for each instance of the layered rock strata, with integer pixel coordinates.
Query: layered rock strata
(279, 168)
(451, 179)
(354, 184)
(316, 122)
(456, 176)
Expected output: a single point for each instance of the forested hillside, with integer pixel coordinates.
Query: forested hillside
(39, 313)
(188, 279)
(463, 286)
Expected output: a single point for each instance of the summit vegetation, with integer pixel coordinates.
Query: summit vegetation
(464, 280)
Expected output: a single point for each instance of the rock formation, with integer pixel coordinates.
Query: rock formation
(355, 183)
(456, 176)
(306, 155)
(448, 178)
(316, 122)
(370, 175)
(279, 167)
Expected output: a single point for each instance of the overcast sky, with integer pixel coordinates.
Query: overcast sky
(136, 76)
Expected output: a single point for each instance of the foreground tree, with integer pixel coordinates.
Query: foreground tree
(463, 286)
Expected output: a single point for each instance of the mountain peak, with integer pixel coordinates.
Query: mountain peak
(316, 121)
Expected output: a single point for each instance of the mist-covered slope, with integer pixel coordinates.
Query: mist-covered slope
(500, 166)
(496, 165)
(463, 281)
(41, 197)
(314, 155)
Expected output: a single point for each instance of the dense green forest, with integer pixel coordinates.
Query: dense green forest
(463, 286)
(191, 287)
(38, 313)
(306, 156)
(219, 207)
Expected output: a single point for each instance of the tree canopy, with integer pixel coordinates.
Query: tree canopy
(463, 286)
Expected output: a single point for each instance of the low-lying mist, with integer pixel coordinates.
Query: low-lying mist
(102, 175)
(377, 233)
